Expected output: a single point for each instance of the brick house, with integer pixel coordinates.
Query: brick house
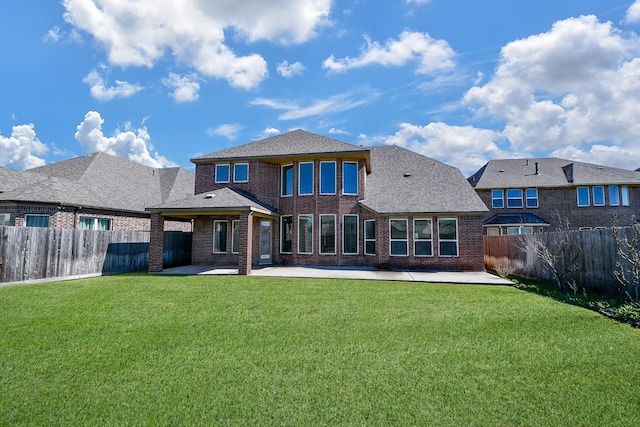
(305, 199)
(532, 195)
(99, 192)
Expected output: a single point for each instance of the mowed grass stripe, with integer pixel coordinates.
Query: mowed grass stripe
(230, 350)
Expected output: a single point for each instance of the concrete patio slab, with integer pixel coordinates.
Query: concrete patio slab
(465, 277)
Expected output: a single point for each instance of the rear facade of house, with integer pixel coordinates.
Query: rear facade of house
(304, 199)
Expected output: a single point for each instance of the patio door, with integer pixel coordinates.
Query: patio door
(265, 243)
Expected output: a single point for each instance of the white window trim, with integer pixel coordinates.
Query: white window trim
(391, 240)
(282, 180)
(526, 198)
(300, 193)
(521, 198)
(335, 232)
(493, 199)
(416, 239)
(234, 225)
(216, 180)
(344, 193)
(234, 171)
(593, 191)
(578, 197)
(364, 237)
(300, 234)
(214, 236)
(357, 252)
(282, 233)
(335, 178)
(457, 239)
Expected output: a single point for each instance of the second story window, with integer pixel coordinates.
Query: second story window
(598, 195)
(327, 177)
(305, 178)
(222, 174)
(532, 197)
(583, 196)
(286, 181)
(350, 178)
(614, 196)
(514, 198)
(241, 172)
(624, 191)
(497, 199)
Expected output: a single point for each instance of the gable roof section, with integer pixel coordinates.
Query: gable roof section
(221, 200)
(105, 182)
(297, 143)
(548, 172)
(405, 182)
(11, 179)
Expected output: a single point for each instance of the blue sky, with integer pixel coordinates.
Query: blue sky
(462, 82)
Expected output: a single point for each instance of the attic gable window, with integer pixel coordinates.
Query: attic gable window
(222, 174)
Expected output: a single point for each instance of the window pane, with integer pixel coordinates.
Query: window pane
(5, 219)
(370, 247)
(305, 234)
(583, 196)
(37, 220)
(104, 224)
(423, 248)
(235, 237)
(369, 229)
(422, 228)
(241, 172)
(398, 228)
(86, 223)
(624, 190)
(497, 199)
(614, 195)
(287, 180)
(532, 197)
(327, 234)
(350, 234)
(448, 249)
(349, 178)
(220, 236)
(598, 196)
(447, 229)
(305, 178)
(514, 198)
(222, 173)
(399, 247)
(327, 177)
(286, 234)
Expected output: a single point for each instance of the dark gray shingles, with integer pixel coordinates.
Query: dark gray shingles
(551, 172)
(402, 181)
(224, 198)
(294, 143)
(11, 179)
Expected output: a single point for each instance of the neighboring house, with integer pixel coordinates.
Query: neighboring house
(305, 199)
(99, 192)
(531, 195)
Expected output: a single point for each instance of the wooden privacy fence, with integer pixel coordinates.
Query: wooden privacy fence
(586, 257)
(30, 253)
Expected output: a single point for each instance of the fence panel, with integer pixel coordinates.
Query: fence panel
(29, 253)
(589, 255)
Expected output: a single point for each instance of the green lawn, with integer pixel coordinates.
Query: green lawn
(230, 350)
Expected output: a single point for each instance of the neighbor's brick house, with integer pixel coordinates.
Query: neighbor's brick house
(304, 199)
(99, 192)
(530, 195)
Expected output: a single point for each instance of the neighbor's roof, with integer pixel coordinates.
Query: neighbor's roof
(551, 172)
(405, 182)
(102, 181)
(223, 199)
(522, 218)
(12, 178)
(291, 144)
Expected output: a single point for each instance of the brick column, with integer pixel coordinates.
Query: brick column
(156, 243)
(246, 243)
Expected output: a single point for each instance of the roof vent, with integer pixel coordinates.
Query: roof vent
(209, 196)
(407, 174)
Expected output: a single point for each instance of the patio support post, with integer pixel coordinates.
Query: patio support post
(156, 243)
(246, 243)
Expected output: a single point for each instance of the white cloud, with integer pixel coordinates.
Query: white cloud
(289, 70)
(335, 104)
(229, 131)
(53, 34)
(633, 13)
(335, 131)
(465, 147)
(22, 148)
(140, 33)
(185, 88)
(134, 145)
(567, 89)
(272, 131)
(101, 92)
(418, 1)
(432, 55)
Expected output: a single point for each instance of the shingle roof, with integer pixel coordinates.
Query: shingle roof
(221, 199)
(402, 181)
(103, 181)
(12, 178)
(551, 172)
(521, 218)
(294, 143)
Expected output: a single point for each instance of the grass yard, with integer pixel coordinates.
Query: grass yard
(230, 350)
